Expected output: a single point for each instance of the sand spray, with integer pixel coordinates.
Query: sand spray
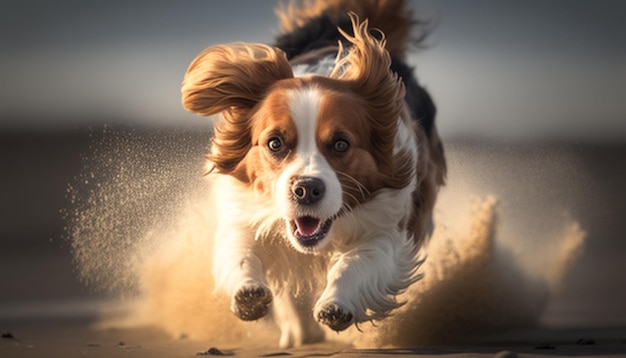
(141, 228)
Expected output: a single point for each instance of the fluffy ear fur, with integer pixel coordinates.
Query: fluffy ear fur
(366, 69)
(232, 79)
(234, 75)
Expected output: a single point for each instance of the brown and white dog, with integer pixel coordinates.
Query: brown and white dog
(327, 165)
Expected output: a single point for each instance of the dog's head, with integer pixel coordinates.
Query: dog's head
(317, 146)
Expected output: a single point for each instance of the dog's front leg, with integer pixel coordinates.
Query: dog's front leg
(239, 272)
(363, 282)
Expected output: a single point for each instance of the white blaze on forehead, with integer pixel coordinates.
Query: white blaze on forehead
(304, 107)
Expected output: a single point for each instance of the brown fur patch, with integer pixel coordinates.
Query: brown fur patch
(270, 120)
(366, 70)
(342, 116)
(232, 79)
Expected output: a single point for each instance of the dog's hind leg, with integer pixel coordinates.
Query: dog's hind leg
(295, 320)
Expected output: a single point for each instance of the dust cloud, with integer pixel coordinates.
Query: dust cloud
(141, 230)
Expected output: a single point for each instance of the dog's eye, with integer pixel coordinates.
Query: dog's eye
(274, 144)
(341, 146)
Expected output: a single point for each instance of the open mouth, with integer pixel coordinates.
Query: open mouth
(309, 230)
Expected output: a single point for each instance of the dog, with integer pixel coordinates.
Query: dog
(325, 162)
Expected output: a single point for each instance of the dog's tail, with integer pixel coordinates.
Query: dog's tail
(306, 21)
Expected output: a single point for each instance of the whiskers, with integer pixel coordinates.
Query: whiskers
(355, 193)
(352, 188)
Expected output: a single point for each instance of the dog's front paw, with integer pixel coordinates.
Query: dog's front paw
(251, 302)
(335, 317)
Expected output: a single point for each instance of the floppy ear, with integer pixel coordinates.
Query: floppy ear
(232, 79)
(232, 76)
(366, 70)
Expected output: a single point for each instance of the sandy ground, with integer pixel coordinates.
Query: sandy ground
(76, 337)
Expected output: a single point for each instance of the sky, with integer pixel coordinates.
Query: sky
(501, 70)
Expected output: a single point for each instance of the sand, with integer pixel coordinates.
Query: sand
(142, 228)
(519, 264)
(76, 337)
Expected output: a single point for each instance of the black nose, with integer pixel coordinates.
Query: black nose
(307, 190)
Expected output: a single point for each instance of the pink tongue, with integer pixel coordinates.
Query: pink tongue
(307, 225)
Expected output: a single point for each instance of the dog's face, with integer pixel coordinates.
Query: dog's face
(311, 152)
(316, 146)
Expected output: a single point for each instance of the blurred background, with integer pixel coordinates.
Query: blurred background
(514, 77)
